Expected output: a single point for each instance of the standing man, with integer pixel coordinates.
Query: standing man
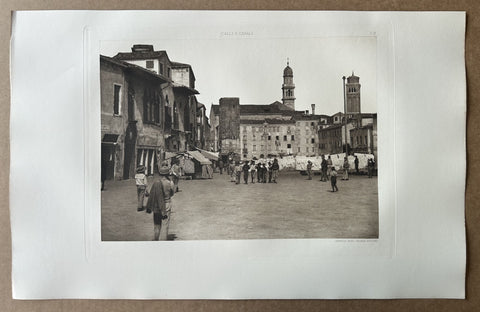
(233, 175)
(370, 166)
(220, 166)
(275, 169)
(309, 169)
(142, 183)
(160, 202)
(324, 166)
(238, 172)
(270, 171)
(356, 164)
(346, 166)
(245, 168)
(175, 173)
(253, 171)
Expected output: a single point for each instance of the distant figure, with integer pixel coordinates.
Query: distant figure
(233, 174)
(246, 169)
(323, 167)
(356, 164)
(346, 166)
(259, 172)
(275, 169)
(371, 167)
(309, 169)
(270, 171)
(253, 171)
(333, 179)
(238, 172)
(160, 203)
(329, 167)
(264, 173)
(142, 183)
(220, 166)
(175, 173)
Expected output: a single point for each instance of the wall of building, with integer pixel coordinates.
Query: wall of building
(229, 124)
(111, 75)
(307, 142)
(181, 75)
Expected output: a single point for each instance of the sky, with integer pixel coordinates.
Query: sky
(252, 69)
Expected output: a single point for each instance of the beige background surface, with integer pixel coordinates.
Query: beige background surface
(472, 303)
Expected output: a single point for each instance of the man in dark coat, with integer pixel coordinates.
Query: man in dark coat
(356, 164)
(324, 167)
(245, 168)
(159, 200)
(309, 170)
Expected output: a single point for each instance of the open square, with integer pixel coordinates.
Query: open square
(212, 209)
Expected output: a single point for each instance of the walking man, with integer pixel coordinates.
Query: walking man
(333, 180)
(159, 202)
(329, 167)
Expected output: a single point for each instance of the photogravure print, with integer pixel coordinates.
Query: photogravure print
(239, 138)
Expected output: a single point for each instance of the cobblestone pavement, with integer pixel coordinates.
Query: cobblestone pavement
(219, 209)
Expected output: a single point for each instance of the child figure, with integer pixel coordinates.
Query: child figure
(142, 183)
(333, 179)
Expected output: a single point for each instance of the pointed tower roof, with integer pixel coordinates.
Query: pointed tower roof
(288, 70)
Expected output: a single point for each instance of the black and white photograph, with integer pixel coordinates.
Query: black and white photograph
(239, 137)
(238, 155)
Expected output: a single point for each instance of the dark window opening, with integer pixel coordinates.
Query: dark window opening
(116, 99)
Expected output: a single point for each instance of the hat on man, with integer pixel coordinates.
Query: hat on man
(141, 169)
(164, 169)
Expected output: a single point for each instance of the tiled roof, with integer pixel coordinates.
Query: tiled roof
(133, 67)
(185, 88)
(140, 55)
(270, 121)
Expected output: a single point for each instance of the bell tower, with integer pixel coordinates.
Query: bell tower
(352, 89)
(288, 87)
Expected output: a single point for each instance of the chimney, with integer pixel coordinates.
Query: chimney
(306, 112)
(313, 109)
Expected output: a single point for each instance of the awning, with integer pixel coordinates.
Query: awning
(200, 158)
(209, 155)
(169, 155)
(110, 138)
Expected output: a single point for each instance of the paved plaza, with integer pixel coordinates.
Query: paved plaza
(216, 208)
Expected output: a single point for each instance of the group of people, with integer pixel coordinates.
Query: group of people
(159, 198)
(261, 172)
(329, 173)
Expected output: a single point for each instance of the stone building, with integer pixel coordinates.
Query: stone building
(132, 117)
(364, 139)
(179, 101)
(148, 107)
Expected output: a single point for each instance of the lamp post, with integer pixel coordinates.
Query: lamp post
(345, 114)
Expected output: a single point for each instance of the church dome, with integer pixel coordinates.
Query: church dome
(288, 71)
